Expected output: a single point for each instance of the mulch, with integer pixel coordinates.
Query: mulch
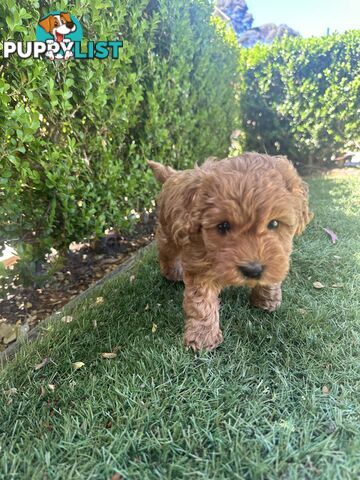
(25, 307)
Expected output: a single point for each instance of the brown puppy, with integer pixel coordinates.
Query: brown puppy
(228, 222)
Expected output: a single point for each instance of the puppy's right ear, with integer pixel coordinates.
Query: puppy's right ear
(161, 172)
(47, 23)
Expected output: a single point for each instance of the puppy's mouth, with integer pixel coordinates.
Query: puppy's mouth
(59, 37)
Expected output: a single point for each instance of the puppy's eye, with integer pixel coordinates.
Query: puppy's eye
(273, 225)
(223, 227)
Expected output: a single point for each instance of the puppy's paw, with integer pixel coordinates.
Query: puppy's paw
(68, 55)
(173, 272)
(197, 337)
(266, 298)
(269, 305)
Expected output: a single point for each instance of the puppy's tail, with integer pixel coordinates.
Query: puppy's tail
(161, 172)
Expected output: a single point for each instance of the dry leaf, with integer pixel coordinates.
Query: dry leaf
(132, 278)
(42, 391)
(7, 333)
(146, 307)
(78, 365)
(337, 285)
(337, 257)
(109, 355)
(302, 311)
(67, 319)
(12, 391)
(154, 327)
(318, 285)
(95, 323)
(325, 390)
(51, 386)
(99, 300)
(42, 364)
(331, 234)
(117, 476)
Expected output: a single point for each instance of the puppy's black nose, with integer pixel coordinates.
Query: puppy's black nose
(252, 270)
(70, 24)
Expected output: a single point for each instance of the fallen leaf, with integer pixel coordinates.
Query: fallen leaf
(95, 323)
(325, 390)
(42, 364)
(12, 391)
(302, 311)
(132, 278)
(109, 355)
(146, 307)
(99, 300)
(78, 365)
(7, 333)
(337, 257)
(318, 285)
(67, 319)
(154, 327)
(42, 391)
(117, 476)
(331, 234)
(51, 387)
(337, 285)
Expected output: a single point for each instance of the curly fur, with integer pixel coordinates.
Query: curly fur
(248, 192)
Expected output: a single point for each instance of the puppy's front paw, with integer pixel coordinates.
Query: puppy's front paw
(68, 55)
(266, 298)
(269, 305)
(199, 337)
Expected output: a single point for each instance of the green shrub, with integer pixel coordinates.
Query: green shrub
(301, 97)
(75, 135)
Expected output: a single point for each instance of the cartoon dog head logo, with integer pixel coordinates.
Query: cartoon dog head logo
(59, 29)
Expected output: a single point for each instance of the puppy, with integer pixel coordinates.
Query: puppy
(228, 222)
(58, 26)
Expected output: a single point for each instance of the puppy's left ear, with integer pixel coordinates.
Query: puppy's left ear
(299, 190)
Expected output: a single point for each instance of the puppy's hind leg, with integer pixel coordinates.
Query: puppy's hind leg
(268, 298)
(169, 258)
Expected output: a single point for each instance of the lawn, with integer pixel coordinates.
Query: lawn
(279, 399)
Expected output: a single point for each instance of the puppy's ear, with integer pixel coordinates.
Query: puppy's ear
(299, 190)
(66, 17)
(47, 23)
(185, 208)
(161, 172)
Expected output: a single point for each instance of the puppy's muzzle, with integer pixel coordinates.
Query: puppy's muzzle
(252, 270)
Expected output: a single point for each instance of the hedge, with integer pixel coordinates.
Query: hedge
(75, 135)
(301, 97)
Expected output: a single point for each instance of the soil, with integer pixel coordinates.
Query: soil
(25, 307)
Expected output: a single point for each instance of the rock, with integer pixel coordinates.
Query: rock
(237, 12)
(266, 33)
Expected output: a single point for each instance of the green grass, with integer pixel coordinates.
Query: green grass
(255, 408)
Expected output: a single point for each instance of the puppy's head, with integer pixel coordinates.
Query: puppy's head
(58, 25)
(246, 222)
